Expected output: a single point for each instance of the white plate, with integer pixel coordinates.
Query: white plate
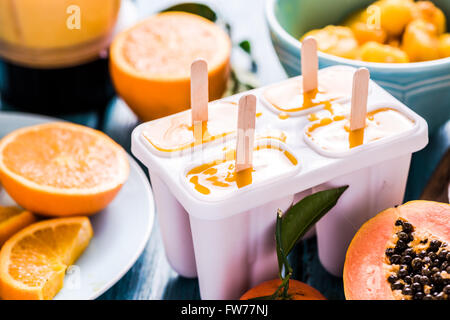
(121, 230)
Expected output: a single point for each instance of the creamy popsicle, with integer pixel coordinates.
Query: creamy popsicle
(335, 111)
(219, 177)
(176, 133)
(334, 134)
(333, 85)
(273, 134)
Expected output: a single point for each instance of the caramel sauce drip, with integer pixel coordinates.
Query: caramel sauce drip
(310, 100)
(200, 135)
(356, 137)
(329, 107)
(244, 177)
(198, 186)
(241, 179)
(281, 137)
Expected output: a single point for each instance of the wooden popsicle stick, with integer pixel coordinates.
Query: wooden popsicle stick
(199, 90)
(245, 132)
(360, 92)
(310, 64)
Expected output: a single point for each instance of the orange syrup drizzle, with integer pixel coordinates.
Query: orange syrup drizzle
(198, 186)
(204, 134)
(313, 116)
(241, 179)
(244, 177)
(283, 116)
(281, 137)
(310, 100)
(356, 137)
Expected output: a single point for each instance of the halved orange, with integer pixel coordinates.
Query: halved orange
(150, 62)
(12, 219)
(297, 291)
(33, 262)
(61, 169)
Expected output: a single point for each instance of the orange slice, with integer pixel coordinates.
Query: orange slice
(61, 169)
(12, 219)
(150, 62)
(33, 262)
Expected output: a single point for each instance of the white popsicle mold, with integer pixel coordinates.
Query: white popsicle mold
(175, 229)
(378, 187)
(236, 252)
(229, 243)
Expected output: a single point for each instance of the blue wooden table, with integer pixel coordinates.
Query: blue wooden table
(151, 277)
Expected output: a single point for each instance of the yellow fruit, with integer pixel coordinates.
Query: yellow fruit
(420, 41)
(444, 45)
(33, 262)
(395, 15)
(336, 40)
(363, 33)
(61, 169)
(365, 28)
(12, 219)
(427, 11)
(394, 42)
(150, 62)
(376, 52)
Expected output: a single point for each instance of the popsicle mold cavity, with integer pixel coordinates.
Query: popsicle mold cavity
(218, 178)
(333, 134)
(288, 97)
(177, 133)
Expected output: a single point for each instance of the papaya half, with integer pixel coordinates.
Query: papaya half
(401, 254)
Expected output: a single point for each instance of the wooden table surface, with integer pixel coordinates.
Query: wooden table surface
(151, 277)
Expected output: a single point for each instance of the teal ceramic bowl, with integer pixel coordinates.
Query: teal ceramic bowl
(423, 86)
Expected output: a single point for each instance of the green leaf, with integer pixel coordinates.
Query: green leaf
(195, 8)
(245, 45)
(201, 10)
(281, 255)
(304, 214)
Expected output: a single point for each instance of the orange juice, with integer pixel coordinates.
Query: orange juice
(54, 24)
(50, 54)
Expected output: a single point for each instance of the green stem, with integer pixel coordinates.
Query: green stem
(282, 261)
